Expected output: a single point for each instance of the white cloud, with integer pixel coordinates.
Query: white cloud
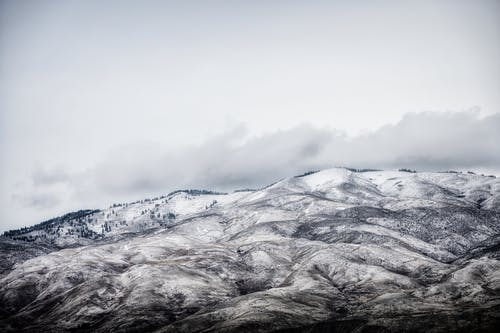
(423, 141)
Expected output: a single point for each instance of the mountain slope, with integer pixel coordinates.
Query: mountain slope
(333, 250)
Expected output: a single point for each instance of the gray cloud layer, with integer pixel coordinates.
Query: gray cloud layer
(424, 141)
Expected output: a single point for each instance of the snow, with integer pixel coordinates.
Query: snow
(370, 243)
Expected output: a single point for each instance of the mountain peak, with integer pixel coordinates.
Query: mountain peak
(318, 251)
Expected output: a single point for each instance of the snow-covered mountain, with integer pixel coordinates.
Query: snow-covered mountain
(335, 250)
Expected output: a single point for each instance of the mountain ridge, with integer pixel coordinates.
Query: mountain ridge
(335, 250)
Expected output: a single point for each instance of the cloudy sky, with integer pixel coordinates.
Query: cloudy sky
(111, 101)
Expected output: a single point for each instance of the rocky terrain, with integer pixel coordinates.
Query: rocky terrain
(332, 251)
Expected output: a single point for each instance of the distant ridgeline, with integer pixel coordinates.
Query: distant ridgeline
(53, 226)
(76, 224)
(311, 172)
(193, 192)
(307, 173)
(144, 214)
(197, 192)
(400, 170)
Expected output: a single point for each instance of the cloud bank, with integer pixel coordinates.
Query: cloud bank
(423, 141)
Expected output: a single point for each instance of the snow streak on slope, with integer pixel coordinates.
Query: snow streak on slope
(333, 250)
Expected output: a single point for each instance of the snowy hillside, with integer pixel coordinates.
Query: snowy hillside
(331, 250)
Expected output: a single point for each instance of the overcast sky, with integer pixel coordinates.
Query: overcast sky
(108, 101)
